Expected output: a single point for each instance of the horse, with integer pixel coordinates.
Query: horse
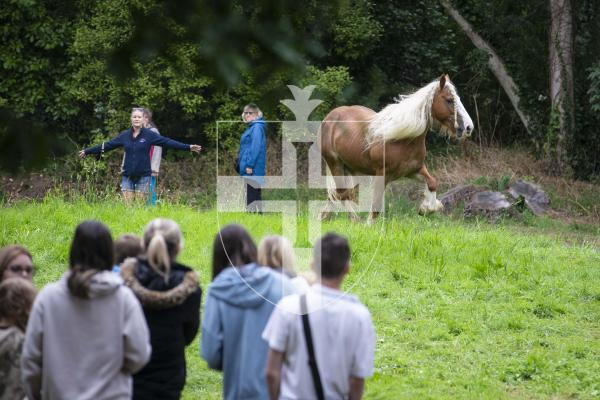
(390, 144)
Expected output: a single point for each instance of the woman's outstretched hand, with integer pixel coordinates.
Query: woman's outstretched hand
(195, 148)
(82, 154)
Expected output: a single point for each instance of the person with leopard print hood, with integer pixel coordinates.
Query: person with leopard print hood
(170, 296)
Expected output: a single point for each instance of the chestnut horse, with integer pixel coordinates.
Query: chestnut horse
(354, 140)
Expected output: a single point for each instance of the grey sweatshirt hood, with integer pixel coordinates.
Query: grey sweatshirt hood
(102, 284)
(243, 287)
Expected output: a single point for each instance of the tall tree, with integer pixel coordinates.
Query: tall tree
(495, 63)
(561, 81)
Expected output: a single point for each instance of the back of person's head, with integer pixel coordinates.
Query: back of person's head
(127, 245)
(16, 299)
(91, 252)
(277, 252)
(7, 255)
(333, 251)
(232, 246)
(162, 242)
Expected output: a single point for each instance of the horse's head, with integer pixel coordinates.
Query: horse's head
(448, 110)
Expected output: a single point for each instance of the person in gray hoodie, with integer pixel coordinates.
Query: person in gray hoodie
(238, 305)
(86, 334)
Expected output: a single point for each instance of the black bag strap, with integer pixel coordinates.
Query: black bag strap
(312, 361)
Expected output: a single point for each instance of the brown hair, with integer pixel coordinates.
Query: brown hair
(9, 253)
(333, 252)
(16, 299)
(232, 246)
(91, 252)
(127, 245)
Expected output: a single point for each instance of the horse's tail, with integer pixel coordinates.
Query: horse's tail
(332, 193)
(346, 192)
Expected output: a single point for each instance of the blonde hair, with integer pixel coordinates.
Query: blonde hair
(277, 252)
(162, 242)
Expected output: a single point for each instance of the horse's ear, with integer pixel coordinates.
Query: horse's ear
(443, 81)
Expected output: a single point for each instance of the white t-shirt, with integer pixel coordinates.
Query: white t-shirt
(343, 339)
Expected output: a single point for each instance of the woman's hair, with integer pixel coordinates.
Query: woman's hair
(162, 242)
(148, 113)
(277, 252)
(127, 245)
(16, 299)
(9, 253)
(253, 107)
(91, 252)
(232, 246)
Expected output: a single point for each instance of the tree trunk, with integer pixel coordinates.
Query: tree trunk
(495, 63)
(561, 80)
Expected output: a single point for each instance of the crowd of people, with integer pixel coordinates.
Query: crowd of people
(116, 324)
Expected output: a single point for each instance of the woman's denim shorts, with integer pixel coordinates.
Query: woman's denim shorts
(139, 184)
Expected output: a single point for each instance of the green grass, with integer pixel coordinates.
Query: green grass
(461, 310)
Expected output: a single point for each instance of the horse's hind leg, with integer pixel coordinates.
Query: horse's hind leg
(430, 203)
(338, 190)
(379, 184)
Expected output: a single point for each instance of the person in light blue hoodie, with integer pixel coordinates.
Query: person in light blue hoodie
(239, 303)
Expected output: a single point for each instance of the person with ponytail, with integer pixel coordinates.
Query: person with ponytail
(170, 295)
(86, 334)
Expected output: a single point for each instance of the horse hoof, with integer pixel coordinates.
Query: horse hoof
(438, 205)
(324, 216)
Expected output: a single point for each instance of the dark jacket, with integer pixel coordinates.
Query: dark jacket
(172, 311)
(137, 150)
(253, 151)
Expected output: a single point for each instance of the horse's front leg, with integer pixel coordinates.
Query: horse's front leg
(430, 203)
(378, 192)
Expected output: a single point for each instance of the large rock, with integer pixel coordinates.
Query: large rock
(457, 195)
(535, 198)
(488, 204)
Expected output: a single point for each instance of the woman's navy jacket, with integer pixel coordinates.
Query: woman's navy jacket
(137, 150)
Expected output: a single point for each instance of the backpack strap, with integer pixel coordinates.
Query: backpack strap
(312, 361)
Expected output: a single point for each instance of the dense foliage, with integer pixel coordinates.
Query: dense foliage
(73, 67)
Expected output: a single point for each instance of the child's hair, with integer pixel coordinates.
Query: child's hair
(127, 245)
(16, 299)
(162, 242)
(277, 252)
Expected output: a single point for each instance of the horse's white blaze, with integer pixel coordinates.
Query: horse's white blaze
(464, 118)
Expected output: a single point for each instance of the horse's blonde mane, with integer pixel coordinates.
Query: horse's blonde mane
(408, 118)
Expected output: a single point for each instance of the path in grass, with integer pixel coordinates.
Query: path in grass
(460, 310)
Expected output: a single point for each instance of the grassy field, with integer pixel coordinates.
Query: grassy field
(461, 310)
